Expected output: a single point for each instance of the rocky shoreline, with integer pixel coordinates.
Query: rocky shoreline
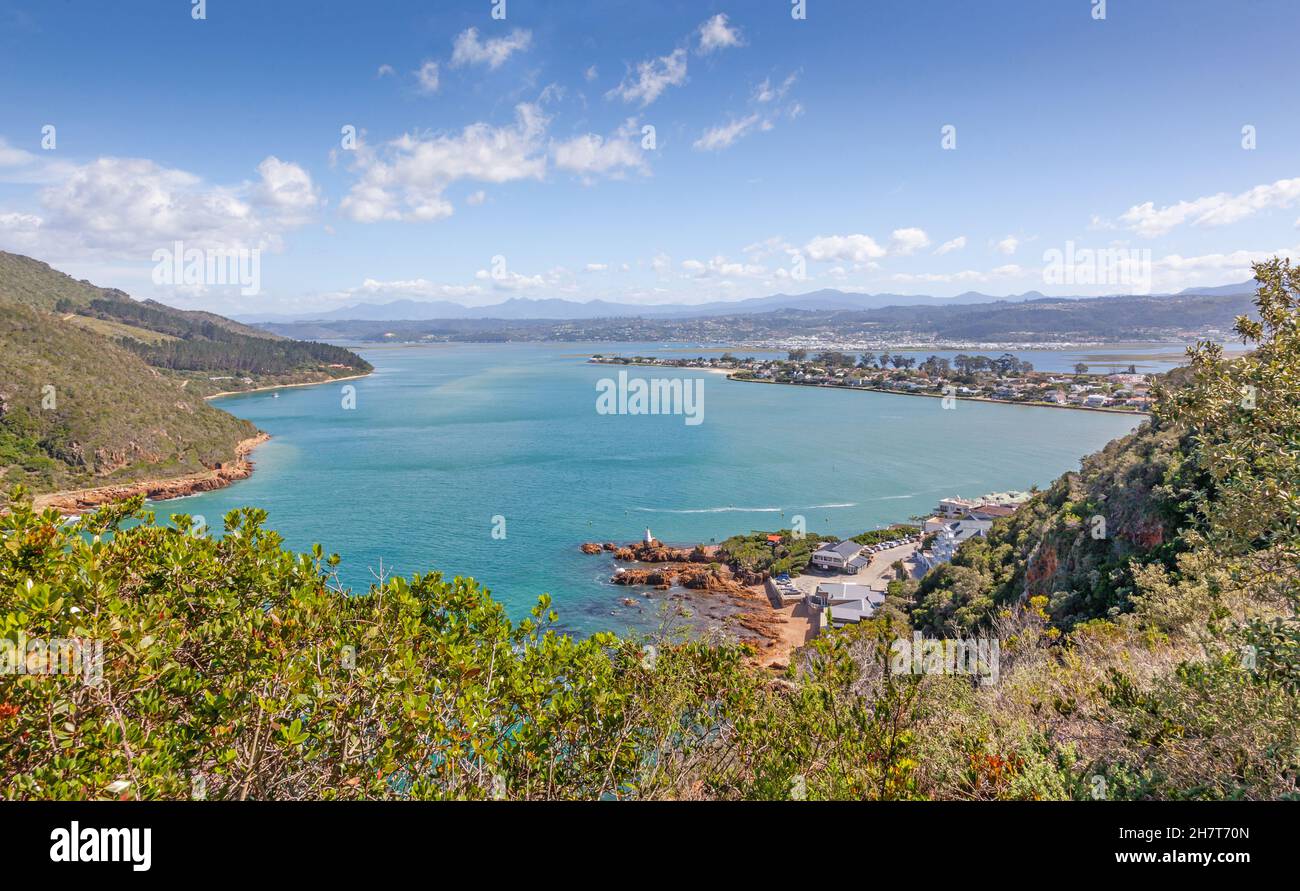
(732, 597)
(80, 500)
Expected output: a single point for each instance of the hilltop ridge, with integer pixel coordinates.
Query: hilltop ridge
(97, 388)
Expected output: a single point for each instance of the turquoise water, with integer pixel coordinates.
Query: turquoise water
(445, 438)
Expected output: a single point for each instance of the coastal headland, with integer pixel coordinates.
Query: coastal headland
(77, 501)
(74, 501)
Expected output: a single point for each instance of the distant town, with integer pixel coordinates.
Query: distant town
(1002, 379)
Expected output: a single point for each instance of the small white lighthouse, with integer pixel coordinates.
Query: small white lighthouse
(649, 539)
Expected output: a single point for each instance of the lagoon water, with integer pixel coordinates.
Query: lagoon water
(445, 438)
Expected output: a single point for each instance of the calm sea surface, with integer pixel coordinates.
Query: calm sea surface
(444, 439)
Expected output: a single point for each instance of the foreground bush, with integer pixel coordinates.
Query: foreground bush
(232, 669)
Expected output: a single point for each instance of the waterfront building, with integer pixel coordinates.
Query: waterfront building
(842, 557)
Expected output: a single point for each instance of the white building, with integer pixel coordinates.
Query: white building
(954, 507)
(950, 538)
(843, 557)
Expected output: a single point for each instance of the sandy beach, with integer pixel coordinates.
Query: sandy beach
(332, 380)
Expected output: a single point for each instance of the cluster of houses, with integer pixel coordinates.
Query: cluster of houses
(1127, 391)
(849, 557)
(955, 520)
(1119, 391)
(838, 602)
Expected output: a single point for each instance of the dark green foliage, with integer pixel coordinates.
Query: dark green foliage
(232, 666)
(205, 344)
(755, 553)
(1056, 546)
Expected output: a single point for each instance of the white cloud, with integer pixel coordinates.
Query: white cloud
(591, 74)
(1214, 210)
(908, 241)
(717, 33)
(769, 247)
(596, 267)
(469, 50)
(474, 199)
(721, 267)
(286, 187)
(652, 77)
(1008, 245)
(512, 281)
(31, 168)
(1175, 269)
(591, 155)
(863, 250)
(847, 248)
(662, 264)
(724, 135)
(14, 157)
(763, 118)
(125, 208)
(1170, 273)
(19, 222)
(407, 179)
(385, 71)
(765, 92)
(949, 246)
(427, 77)
(419, 287)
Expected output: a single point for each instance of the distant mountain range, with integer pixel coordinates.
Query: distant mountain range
(555, 309)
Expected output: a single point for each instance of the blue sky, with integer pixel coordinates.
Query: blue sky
(508, 158)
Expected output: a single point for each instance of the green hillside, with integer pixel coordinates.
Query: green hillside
(98, 388)
(78, 411)
(33, 283)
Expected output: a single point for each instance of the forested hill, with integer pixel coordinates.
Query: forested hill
(98, 388)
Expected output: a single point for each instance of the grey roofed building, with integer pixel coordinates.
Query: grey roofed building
(847, 592)
(964, 529)
(836, 556)
(851, 611)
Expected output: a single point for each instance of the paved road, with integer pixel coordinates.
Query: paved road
(871, 576)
